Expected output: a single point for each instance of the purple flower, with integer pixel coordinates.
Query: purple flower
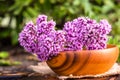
(85, 32)
(28, 37)
(50, 45)
(42, 39)
(40, 19)
(72, 37)
(44, 26)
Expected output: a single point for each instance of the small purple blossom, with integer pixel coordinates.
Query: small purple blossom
(28, 37)
(85, 32)
(50, 45)
(44, 26)
(42, 39)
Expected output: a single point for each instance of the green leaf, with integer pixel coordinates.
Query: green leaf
(53, 1)
(16, 63)
(9, 63)
(5, 63)
(4, 54)
(5, 33)
(19, 5)
(114, 40)
(41, 1)
(17, 11)
(99, 1)
(26, 14)
(14, 36)
(76, 2)
(87, 7)
(109, 5)
(71, 10)
(32, 12)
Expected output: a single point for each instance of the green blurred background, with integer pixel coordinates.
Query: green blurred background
(15, 13)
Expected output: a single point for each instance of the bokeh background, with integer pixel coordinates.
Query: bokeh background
(15, 13)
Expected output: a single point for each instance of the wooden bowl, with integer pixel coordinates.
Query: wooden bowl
(84, 62)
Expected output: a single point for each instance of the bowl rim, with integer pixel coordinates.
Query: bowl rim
(109, 47)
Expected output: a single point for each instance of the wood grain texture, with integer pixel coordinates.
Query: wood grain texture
(84, 62)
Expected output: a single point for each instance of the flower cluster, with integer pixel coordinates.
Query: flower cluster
(86, 33)
(42, 39)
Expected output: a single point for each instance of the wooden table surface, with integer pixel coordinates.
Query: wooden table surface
(42, 72)
(38, 76)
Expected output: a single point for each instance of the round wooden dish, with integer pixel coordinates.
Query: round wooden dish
(84, 62)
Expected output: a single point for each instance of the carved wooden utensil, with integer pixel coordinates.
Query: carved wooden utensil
(84, 62)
